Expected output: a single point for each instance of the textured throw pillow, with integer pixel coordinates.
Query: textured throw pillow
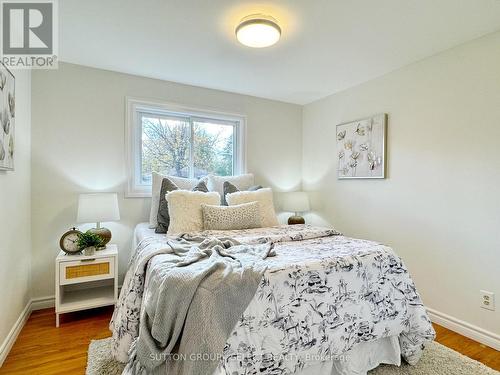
(185, 212)
(242, 182)
(228, 188)
(266, 205)
(182, 183)
(163, 216)
(241, 216)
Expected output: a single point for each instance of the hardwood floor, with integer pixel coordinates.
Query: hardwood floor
(472, 349)
(43, 349)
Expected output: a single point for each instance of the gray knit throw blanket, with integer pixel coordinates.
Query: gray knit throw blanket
(192, 308)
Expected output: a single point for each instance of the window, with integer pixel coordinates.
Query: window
(182, 142)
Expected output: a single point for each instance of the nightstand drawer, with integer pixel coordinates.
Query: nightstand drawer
(86, 270)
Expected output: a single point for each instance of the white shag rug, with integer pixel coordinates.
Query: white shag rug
(437, 360)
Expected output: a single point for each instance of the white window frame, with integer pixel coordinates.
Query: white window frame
(133, 137)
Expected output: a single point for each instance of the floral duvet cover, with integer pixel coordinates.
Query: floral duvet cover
(321, 295)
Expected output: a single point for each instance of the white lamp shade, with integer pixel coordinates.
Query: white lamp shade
(297, 201)
(97, 208)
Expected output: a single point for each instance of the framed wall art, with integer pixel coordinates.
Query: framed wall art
(7, 118)
(361, 148)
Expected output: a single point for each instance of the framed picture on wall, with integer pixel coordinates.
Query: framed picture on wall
(7, 118)
(361, 148)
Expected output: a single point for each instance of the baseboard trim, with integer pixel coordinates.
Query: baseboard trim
(466, 329)
(14, 332)
(40, 303)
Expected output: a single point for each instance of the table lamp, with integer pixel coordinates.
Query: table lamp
(298, 202)
(98, 208)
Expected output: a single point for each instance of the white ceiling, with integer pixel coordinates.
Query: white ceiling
(326, 45)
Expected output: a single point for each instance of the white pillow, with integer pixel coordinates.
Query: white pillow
(266, 205)
(242, 182)
(184, 208)
(182, 183)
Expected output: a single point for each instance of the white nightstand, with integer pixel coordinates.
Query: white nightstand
(85, 282)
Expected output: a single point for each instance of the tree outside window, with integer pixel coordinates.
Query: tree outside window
(185, 146)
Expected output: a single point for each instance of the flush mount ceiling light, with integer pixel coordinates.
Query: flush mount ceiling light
(258, 31)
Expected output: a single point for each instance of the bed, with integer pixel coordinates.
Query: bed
(325, 304)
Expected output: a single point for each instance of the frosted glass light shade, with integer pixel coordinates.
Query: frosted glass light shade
(97, 208)
(258, 31)
(297, 201)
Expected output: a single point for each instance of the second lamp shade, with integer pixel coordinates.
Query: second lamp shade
(297, 201)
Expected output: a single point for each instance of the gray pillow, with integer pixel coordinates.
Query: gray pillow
(163, 216)
(229, 188)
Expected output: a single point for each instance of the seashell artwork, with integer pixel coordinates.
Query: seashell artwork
(361, 147)
(341, 135)
(7, 120)
(2, 151)
(11, 146)
(3, 80)
(360, 130)
(12, 104)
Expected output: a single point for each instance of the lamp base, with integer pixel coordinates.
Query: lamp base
(292, 220)
(104, 233)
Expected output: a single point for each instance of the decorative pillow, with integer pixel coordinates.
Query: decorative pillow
(242, 182)
(228, 188)
(241, 216)
(266, 205)
(185, 211)
(163, 217)
(182, 183)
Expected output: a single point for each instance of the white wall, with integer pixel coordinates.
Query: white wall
(78, 146)
(15, 215)
(440, 205)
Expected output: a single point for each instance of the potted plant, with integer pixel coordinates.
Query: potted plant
(88, 242)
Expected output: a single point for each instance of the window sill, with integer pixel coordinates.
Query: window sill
(138, 193)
